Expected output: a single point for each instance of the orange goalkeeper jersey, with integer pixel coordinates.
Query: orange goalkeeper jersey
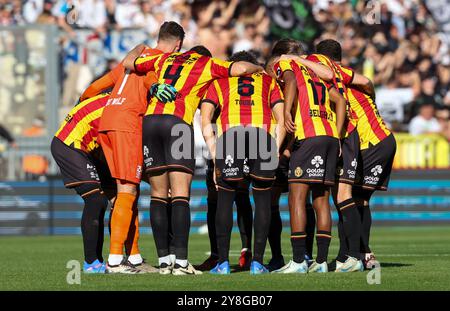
(128, 101)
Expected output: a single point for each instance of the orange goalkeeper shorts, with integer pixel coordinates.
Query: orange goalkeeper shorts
(123, 152)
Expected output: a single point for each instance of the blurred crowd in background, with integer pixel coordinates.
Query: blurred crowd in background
(399, 44)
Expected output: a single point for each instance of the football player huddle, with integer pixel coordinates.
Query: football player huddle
(302, 124)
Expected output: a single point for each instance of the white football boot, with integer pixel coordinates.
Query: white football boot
(350, 265)
(293, 267)
(318, 267)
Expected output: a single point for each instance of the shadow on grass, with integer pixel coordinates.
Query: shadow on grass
(395, 264)
(237, 268)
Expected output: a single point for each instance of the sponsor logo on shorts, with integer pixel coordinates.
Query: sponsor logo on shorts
(229, 160)
(315, 172)
(377, 170)
(352, 172)
(298, 171)
(230, 172)
(148, 162)
(375, 178)
(92, 171)
(317, 161)
(339, 171)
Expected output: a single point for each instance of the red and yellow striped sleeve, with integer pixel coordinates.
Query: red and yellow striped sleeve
(146, 64)
(347, 75)
(212, 95)
(220, 68)
(276, 96)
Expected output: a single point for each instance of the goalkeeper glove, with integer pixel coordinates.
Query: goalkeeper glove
(163, 92)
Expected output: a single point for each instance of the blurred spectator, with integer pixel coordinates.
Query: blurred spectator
(443, 116)
(128, 13)
(425, 122)
(32, 9)
(396, 43)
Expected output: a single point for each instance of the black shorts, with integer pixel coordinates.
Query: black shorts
(78, 167)
(168, 144)
(375, 165)
(281, 174)
(348, 162)
(243, 185)
(246, 152)
(313, 160)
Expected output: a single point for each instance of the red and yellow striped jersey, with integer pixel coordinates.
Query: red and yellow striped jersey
(342, 79)
(245, 101)
(371, 127)
(80, 127)
(190, 73)
(313, 116)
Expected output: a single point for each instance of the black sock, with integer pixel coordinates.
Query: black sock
(224, 222)
(343, 243)
(170, 233)
(181, 223)
(245, 218)
(92, 225)
(323, 244)
(276, 227)
(298, 241)
(366, 224)
(211, 222)
(101, 235)
(160, 225)
(262, 197)
(310, 229)
(351, 225)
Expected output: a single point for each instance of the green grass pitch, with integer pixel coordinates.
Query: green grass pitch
(412, 258)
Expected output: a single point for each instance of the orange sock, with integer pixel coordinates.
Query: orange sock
(131, 244)
(120, 221)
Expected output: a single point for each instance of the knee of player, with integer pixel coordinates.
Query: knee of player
(127, 187)
(92, 195)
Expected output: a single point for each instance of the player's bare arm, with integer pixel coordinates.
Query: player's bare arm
(290, 92)
(207, 112)
(340, 103)
(322, 71)
(242, 68)
(128, 61)
(278, 113)
(364, 84)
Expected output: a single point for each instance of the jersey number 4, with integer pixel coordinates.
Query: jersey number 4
(173, 73)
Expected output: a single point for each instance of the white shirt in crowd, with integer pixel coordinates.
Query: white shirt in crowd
(420, 125)
(32, 9)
